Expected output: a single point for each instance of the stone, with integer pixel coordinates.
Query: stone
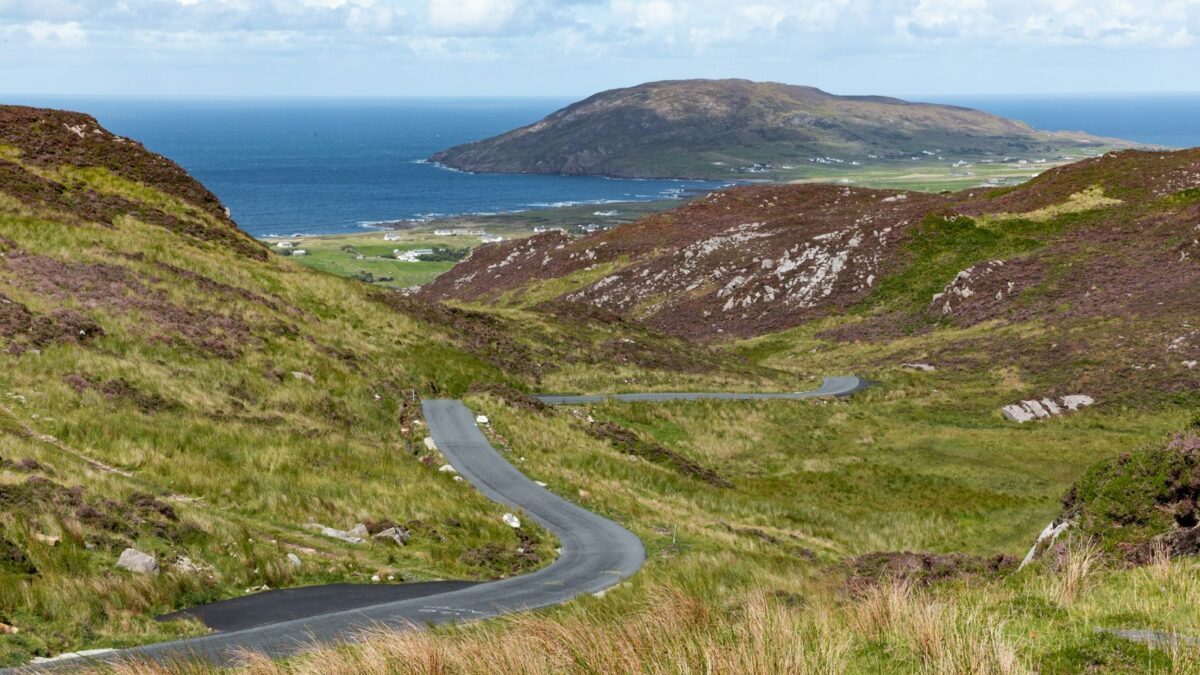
(294, 560)
(482, 419)
(446, 468)
(360, 530)
(511, 520)
(923, 367)
(135, 561)
(303, 377)
(1077, 401)
(429, 444)
(347, 537)
(392, 534)
(1191, 365)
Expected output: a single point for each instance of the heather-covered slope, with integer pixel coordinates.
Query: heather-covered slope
(1101, 254)
(708, 128)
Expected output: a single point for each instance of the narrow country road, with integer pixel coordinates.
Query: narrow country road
(596, 554)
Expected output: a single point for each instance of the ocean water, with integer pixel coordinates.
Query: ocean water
(321, 166)
(1171, 120)
(324, 166)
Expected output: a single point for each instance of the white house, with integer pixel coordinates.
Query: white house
(491, 238)
(299, 251)
(285, 244)
(411, 256)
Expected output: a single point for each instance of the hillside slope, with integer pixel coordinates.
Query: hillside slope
(708, 128)
(1101, 254)
(170, 386)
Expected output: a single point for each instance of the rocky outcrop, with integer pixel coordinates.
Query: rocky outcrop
(1036, 409)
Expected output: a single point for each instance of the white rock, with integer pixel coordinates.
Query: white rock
(924, 367)
(138, 562)
(294, 560)
(458, 479)
(359, 530)
(1051, 407)
(1035, 408)
(1017, 413)
(511, 520)
(539, 483)
(345, 536)
(1191, 365)
(1077, 401)
(482, 419)
(392, 534)
(375, 578)
(303, 377)
(429, 444)
(446, 468)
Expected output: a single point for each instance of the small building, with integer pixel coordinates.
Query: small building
(491, 238)
(393, 236)
(299, 251)
(285, 244)
(443, 233)
(411, 256)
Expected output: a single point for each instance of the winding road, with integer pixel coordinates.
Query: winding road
(597, 553)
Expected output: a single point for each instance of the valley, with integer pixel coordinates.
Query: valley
(174, 387)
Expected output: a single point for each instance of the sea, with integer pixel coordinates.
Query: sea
(318, 166)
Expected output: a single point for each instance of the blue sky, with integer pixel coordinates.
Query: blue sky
(576, 47)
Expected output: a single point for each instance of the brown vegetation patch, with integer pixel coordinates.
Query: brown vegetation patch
(630, 443)
(873, 569)
(484, 335)
(513, 397)
(116, 289)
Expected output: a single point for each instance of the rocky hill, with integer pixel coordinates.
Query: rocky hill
(1102, 252)
(710, 128)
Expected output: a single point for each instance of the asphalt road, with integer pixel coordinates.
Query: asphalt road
(596, 554)
(832, 386)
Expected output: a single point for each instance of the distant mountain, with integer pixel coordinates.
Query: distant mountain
(710, 128)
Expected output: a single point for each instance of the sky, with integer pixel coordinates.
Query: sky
(576, 47)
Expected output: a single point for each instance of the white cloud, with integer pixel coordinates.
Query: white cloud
(69, 32)
(470, 17)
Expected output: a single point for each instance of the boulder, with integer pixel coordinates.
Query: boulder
(303, 377)
(446, 468)
(294, 561)
(392, 534)
(429, 444)
(511, 520)
(923, 367)
(137, 562)
(482, 419)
